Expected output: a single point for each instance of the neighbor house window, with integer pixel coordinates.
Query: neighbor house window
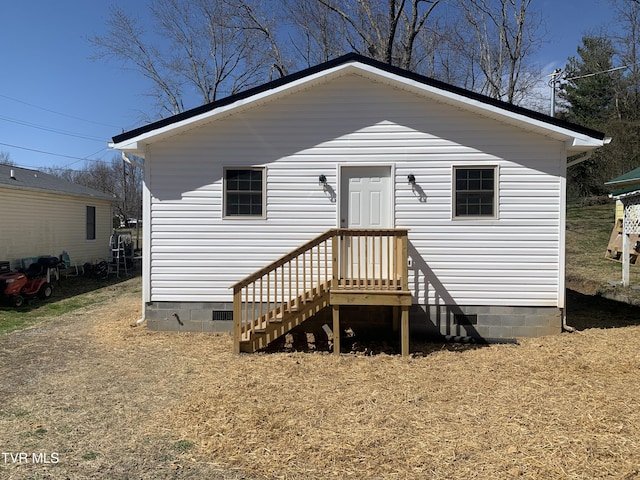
(244, 192)
(475, 192)
(91, 223)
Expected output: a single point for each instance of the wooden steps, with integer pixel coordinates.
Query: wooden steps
(277, 326)
(339, 267)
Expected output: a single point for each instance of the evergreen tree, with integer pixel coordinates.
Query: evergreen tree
(589, 97)
(590, 89)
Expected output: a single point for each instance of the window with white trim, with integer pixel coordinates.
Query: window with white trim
(474, 192)
(244, 192)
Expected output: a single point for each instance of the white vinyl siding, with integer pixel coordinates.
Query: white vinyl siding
(511, 260)
(38, 223)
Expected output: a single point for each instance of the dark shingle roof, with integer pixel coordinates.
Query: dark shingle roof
(26, 179)
(351, 57)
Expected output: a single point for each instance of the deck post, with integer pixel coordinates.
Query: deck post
(237, 319)
(403, 252)
(625, 258)
(336, 329)
(395, 320)
(404, 331)
(335, 252)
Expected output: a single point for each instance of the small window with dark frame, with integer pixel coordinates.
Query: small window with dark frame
(475, 192)
(91, 223)
(244, 188)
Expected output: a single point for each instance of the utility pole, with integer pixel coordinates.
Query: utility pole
(124, 193)
(553, 83)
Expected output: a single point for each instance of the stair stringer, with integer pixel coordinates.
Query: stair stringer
(276, 327)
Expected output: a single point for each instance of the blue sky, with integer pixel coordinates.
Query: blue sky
(55, 99)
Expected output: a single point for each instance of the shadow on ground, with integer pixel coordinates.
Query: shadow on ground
(363, 342)
(66, 288)
(595, 311)
(583, 311)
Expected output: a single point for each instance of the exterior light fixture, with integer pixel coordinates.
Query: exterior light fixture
(322, 179)
(412, 179)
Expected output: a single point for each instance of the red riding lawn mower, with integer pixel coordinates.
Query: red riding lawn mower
(16, 287)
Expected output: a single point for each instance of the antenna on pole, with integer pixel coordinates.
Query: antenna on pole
(553, 83)
(557, 74)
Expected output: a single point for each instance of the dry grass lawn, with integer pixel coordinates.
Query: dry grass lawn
(112, 401)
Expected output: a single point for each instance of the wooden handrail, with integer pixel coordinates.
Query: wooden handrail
(359, 259)
(345, 232)
(284, 259)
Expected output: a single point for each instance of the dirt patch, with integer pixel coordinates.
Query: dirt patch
(114, 401)
(92, 394)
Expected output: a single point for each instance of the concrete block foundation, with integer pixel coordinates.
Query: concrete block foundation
(486, 322)
(207, 317)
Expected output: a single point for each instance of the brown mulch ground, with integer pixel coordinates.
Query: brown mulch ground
(112, 401)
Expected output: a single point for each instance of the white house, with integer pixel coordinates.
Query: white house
(46, 215)
(465, 196)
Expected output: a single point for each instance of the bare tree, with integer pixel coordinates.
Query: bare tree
(201, 48)
(126, 42)
(457, 58)
(627, 42)
(505, 34)
(316, 35)
(117, 178)
(5, 159)
(260, 21)
(385, 31)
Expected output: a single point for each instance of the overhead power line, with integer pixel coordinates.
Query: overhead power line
(59, 113)
(54, 154)
(48, 129)
(598, 73)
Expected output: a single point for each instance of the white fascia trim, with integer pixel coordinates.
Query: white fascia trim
(575, 139)
(622, 196)
(131, 145)
(581, 141)
(623, 183)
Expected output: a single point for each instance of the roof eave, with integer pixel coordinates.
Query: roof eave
(576, 142)
(105, 198)
(579, 139)
(138, 143)
(620, 195)
(133, 147)
(581, 144)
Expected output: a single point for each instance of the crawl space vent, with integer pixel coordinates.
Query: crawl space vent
(222, 315)
(465, 319)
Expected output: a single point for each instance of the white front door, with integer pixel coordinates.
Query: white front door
(365, 198)
(366, 202)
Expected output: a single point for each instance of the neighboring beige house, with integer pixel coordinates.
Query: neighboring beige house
(44, 215)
